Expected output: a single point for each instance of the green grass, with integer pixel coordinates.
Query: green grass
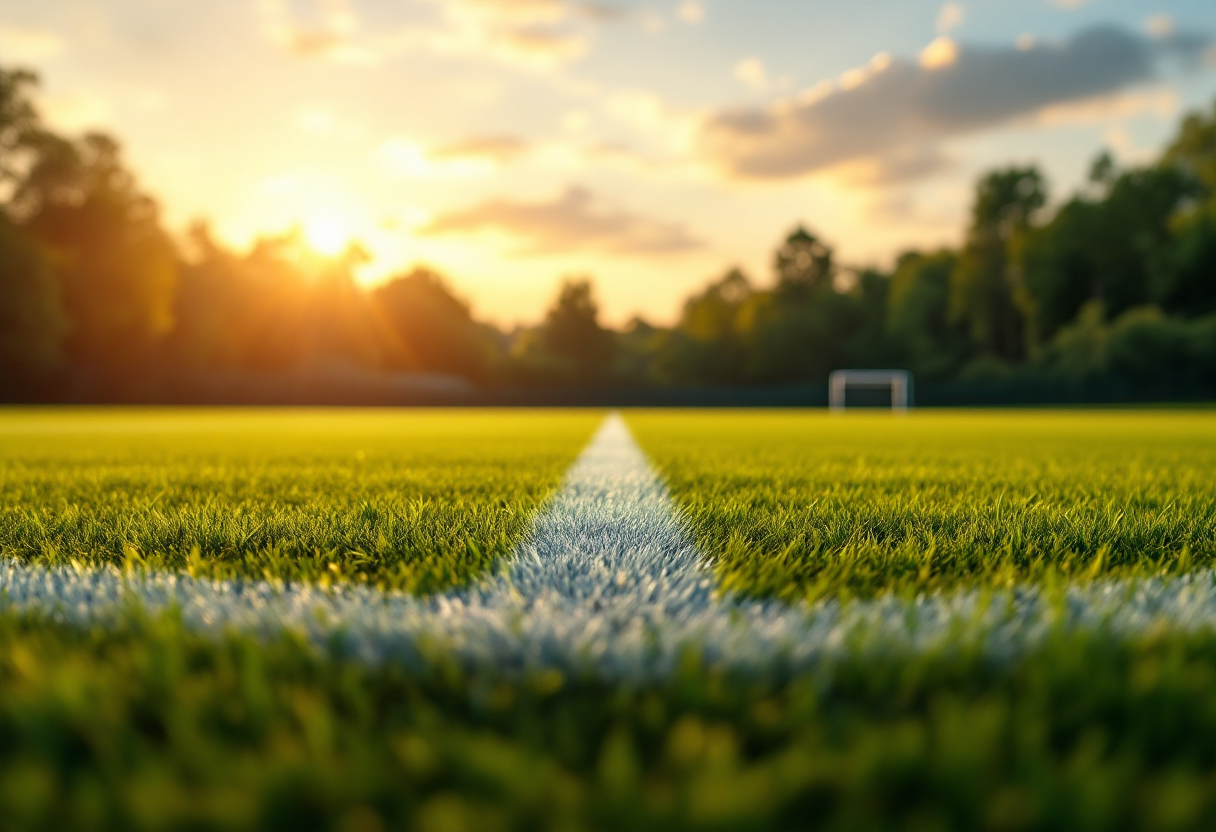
(419, 500)
(806, 505)
(148, 728)
(144, 726)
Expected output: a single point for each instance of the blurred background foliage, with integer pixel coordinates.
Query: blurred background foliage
(1113, 287)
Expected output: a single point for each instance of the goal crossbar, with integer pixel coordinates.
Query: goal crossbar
(898, 381)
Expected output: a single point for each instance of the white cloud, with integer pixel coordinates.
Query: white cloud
(751, 72)
(942, 52)
(913, 107)
(950, 18)
(692, 11)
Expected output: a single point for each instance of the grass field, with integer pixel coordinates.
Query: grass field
(800, 505)
(421, 501)
(145, 725)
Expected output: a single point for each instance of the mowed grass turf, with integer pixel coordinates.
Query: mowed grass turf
(798, 504)
(412, 499)
(145, 726)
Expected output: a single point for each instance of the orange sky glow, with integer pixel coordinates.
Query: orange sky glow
(651, 145)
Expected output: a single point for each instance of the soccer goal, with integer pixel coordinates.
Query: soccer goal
(899, 382)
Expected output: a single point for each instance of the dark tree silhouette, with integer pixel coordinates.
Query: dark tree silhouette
(434, 327)
(115, 265)
(802, 263)
(32, 320)
(572, 331)
(985, 288)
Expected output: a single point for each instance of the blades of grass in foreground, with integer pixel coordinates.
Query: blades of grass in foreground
(147, 726)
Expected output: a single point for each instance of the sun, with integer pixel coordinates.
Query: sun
(327, 235)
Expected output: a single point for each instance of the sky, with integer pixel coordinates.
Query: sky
(649, 144)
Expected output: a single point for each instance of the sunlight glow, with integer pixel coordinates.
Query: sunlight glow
(327, 234)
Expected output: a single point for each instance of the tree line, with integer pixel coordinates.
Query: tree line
(1115, 285)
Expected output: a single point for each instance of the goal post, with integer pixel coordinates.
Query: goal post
(899, 382)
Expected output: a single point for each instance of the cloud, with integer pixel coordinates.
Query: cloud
(691, 11)
(1162, 103)
(497, 149)
(532, 33)
(896, 168)
(468, 158)
(549, 11)
(943, 52)
(751, 72)
(539, 45)
(576, 221)
(331, 32)
(18, 44)
(1159, 25)
(951, 91)
(950, 18)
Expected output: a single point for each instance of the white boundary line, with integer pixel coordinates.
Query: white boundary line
(610, 583)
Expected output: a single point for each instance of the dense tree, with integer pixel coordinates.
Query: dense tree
(32, 322)
(917, 316)
(805, 327)
(1187, 286)
(706, 347)
(20, 128)
(216, 306)
(639, 354)
(869, 290)
(434, 329)
(1116, 286)
(116, 267)
(278, 307)
(984, 288)
(572, 332)
(802, 263)
(1143, 345)
(1194, 149)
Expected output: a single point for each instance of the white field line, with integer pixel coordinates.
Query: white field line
(610, 583)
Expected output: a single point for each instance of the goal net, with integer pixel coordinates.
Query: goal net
(899, 382)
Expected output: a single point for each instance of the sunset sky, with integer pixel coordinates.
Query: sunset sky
(648, 144)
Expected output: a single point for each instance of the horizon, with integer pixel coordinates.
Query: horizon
(541, 152)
